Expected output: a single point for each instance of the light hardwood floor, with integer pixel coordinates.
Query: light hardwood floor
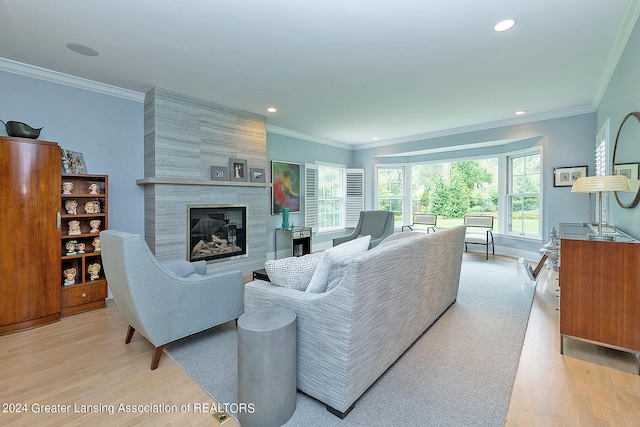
(587, 386)
(82, 360)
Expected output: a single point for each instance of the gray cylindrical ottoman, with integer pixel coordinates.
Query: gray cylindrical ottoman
(267, 366)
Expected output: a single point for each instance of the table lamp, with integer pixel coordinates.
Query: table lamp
(600, 184)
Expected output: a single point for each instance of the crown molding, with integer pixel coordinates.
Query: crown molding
(68, 80)
(305, 137)
(631, 16)
(629, 20)
(557, 114)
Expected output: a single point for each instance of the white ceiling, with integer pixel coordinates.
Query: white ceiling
(342, 71)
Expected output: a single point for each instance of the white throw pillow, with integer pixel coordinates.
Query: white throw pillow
(320, 278)
(339, 264)
(293, 272)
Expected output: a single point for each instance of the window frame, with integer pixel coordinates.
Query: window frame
(342, 170)
(405, 186)
(509, 194)
(503, 177)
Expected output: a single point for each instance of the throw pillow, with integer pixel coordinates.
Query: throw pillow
(293, 272)
(339, 266)
(320, 278)
(181, 268)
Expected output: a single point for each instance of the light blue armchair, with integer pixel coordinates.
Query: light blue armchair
(377, 224)
(159, 304)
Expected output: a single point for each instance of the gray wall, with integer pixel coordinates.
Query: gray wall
(622, 97)
(107, 130)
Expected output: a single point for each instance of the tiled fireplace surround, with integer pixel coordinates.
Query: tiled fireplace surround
(183, 137)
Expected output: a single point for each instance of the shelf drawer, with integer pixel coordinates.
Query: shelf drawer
(84, 293)
(301, 234)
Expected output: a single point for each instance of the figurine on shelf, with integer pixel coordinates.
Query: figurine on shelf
(69, 276)
(94, 271)
(94, 188)
(74, 227)
(95, 225)
(71, 206)
(70, 246)
(67, 187)
(96, 244)
(92, 207)
(80, 248)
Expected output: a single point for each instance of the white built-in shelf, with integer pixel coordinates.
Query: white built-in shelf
(182, 181)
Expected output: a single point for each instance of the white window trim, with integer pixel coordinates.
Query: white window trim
(502, 187)
(502, 201)
(406, 190)
(602, 167)
(353, 197)
(343, 218)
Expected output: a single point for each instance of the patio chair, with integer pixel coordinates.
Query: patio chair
(479, 232)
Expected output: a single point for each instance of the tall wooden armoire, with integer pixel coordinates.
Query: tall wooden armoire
(30, 172)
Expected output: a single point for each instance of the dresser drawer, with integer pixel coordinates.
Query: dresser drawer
(84, 294)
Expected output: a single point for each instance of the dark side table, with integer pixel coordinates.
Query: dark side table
(261, 275)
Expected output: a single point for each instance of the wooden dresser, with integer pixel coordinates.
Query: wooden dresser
(600, 289)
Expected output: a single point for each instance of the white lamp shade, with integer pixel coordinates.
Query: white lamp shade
(596, 184)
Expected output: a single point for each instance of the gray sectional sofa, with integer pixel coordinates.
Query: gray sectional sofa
(388, 296)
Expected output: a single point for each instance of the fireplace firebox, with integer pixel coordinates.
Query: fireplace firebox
(216, 231)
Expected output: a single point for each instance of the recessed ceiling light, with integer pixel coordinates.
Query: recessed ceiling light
(272, 109)
(375, 138)
(504, 25)
(82, 49)
(521, 112)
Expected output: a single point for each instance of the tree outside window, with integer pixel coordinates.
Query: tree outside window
(524, 194)
(453, 190)
(391, 191)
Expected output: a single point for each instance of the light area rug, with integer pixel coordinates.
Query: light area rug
(459, 373)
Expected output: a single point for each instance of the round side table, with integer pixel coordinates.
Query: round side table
(267, 366)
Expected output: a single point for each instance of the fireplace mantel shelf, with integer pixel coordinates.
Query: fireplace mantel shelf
(182, 181)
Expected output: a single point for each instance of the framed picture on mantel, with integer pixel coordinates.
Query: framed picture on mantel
(257, 175)
(238, 170)
(219, 173)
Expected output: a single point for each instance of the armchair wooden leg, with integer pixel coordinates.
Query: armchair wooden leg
(130, 332)
(156, 357)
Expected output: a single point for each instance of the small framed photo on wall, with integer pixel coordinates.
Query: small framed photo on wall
(567, 176)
